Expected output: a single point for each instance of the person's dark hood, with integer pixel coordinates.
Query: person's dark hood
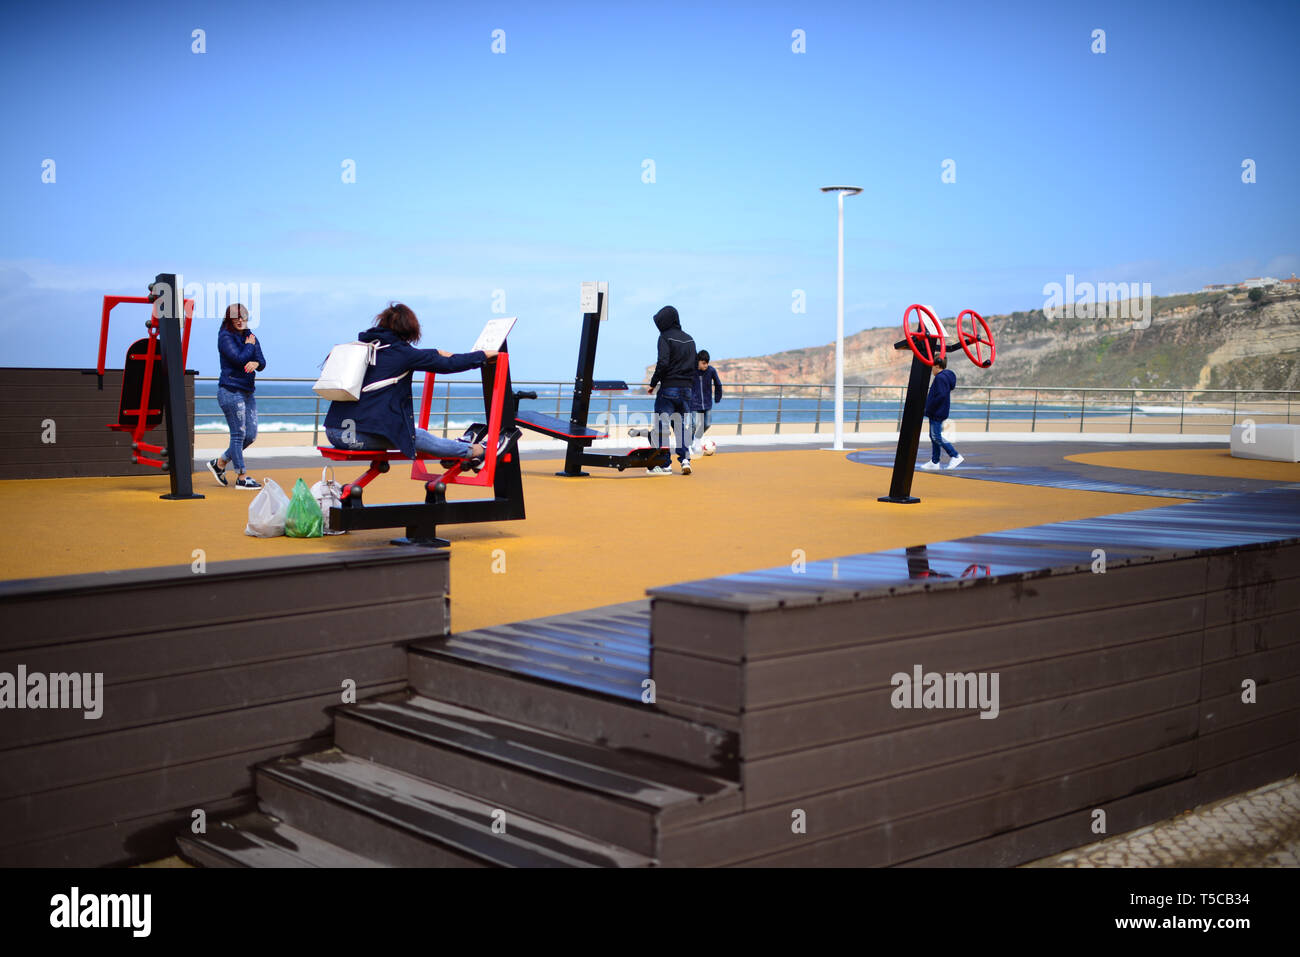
(374, 334)
(666, 318)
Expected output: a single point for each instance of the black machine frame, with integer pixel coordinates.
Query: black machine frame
(576, 435)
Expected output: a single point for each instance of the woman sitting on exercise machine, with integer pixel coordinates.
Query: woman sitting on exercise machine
(384, 417)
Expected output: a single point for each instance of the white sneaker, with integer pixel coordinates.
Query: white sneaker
(956, 462)
(930, 466)
(686, 467)
(659, 470)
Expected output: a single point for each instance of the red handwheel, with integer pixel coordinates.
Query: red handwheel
(967, 339)
(923, 333)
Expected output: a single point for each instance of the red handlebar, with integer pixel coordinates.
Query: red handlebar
(924, 335)
(974, 338)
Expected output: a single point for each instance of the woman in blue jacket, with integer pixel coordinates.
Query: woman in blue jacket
(241, 359)
(384, 418)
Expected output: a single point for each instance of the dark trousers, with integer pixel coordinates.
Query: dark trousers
(672, 414)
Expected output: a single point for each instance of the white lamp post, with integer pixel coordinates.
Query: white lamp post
(841, 192)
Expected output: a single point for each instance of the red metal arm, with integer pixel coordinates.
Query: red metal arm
(111, 301)
(487, 474)
(185, 340)
(426, 400)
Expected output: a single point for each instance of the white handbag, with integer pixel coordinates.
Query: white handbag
(344, 370)
(328, 494)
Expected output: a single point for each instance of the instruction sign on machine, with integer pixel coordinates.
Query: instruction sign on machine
(591, 295)
(494, 334)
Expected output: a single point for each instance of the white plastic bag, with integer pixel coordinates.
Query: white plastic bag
(267, 511)
(328, 494)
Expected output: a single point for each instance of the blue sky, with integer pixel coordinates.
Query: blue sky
(523, 171)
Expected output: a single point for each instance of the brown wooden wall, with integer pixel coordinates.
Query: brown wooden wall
(204, 676)
(80, 410)
(1120, 691)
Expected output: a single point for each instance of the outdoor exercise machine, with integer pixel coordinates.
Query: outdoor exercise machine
(500, 471)
(153, 383)
(928, 342)
(575, 433)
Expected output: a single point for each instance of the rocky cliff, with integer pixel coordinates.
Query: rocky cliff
(1200, 340)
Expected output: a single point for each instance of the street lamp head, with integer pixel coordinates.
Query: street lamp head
(846, 190)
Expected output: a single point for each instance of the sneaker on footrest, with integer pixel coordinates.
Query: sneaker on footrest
(506, 440)
(475, 434)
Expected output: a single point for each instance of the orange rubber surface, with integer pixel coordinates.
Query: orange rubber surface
(585, 542)
(1218, 461)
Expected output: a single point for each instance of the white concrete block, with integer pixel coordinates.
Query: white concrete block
(1274, 442)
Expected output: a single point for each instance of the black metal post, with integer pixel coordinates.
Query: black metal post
(581, 406)
(180, 451)
(909, 432)
(508, 482)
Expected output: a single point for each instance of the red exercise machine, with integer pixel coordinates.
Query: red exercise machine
(500, 472)
(153, 383)
(928, 344)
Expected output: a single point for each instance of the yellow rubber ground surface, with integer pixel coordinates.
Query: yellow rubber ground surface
(1193, 462)
(586, 542)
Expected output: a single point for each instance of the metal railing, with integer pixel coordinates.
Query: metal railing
(791, 408)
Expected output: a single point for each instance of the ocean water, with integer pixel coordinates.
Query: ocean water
(292, 407)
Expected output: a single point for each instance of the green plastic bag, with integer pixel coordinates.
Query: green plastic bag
(304, 519)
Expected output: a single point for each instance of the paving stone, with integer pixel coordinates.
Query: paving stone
(1260, 828)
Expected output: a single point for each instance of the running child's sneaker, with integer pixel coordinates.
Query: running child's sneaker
(248, 482)
(930, 466)
(686, 467)
(218, 474)
(956, 462)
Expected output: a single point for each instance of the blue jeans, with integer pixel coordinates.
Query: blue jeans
(431, 444)
(700, 422)
(241, 416)
(672, 413)
(937, 441)
(425, 442)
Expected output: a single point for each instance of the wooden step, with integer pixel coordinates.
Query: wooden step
(601, 650)
(256, 840)
(613, 796)
(402, 821)
(579, 675)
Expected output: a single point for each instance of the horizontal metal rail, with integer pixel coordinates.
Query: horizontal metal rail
(789, 407)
